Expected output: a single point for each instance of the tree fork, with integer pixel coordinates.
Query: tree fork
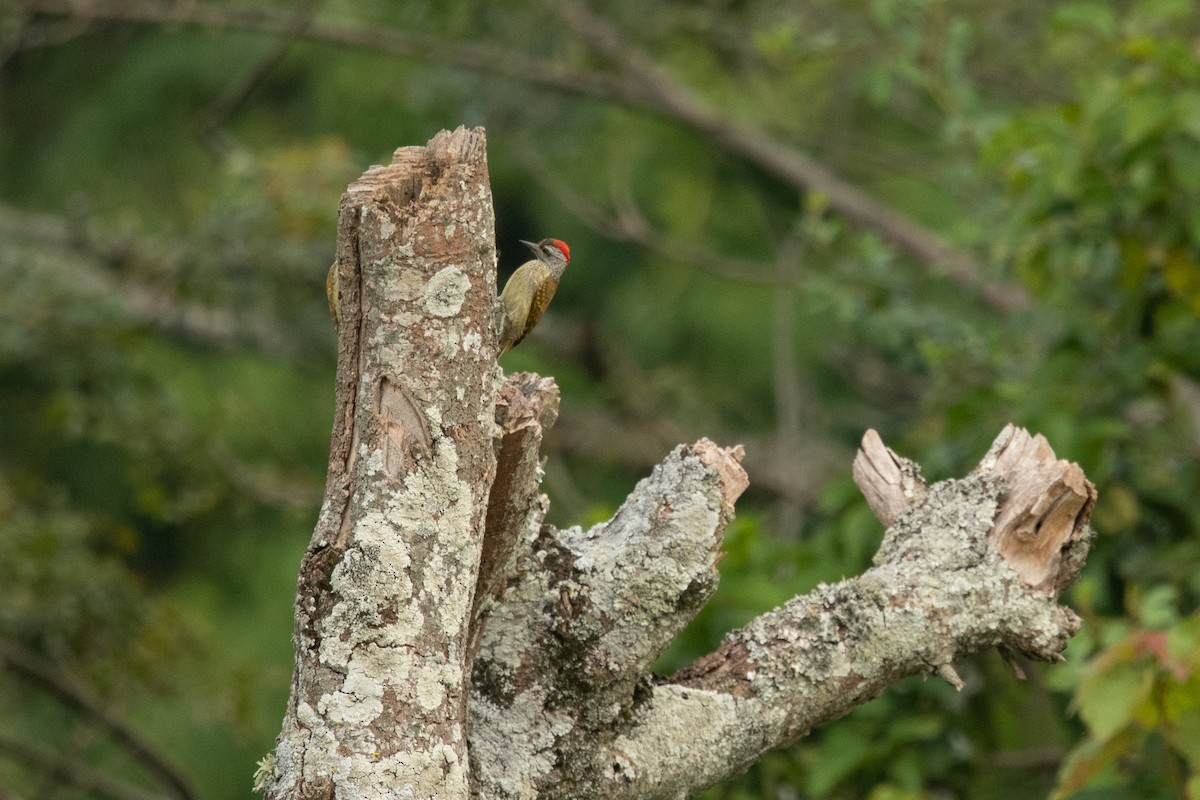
(435, 609)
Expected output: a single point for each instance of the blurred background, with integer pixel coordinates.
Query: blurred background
(789, 222)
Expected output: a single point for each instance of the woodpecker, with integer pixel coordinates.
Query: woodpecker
(530, 290)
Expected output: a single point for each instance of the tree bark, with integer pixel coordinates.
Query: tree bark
(379, 694)
(436, 610)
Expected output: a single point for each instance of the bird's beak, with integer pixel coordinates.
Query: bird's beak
(531, 245)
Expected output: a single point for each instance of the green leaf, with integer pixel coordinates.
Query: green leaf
(1183, 640)
(1146, 114)
(1109, 699)
(1095, 18)
(1187, 733)
(1087, 762)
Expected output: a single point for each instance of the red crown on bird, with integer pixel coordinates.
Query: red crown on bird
(561, 245)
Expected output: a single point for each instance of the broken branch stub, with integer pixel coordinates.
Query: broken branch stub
(526, 408)
(890, 483)
(1041, 514)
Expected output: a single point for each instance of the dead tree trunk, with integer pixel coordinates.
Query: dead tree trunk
(379, 693)
(448, 644)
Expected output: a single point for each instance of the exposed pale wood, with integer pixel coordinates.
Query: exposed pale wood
(728, 463)
(526, 408)
(890, 483)
(1043, 511)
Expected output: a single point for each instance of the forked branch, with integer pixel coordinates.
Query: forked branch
(450, 644)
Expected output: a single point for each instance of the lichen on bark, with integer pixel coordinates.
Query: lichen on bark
(450, 644)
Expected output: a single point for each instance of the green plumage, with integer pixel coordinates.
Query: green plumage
(525, 297)
(530, 290)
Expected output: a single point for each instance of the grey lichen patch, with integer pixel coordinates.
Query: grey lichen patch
(645, 572)
(397, 294)
(371, 632)
(266, 773)
(432, 683)
(514, 746)
(446, 291)
(370, 775)
(342, 746)
(685, 739)
(472, 340)
(949, 529)
(358, 703)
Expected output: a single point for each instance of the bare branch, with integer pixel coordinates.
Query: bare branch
(628, 224)
(78, 698)
(641, 84)
(939, 590)
(218, 111)
(472, 56)
(72, 773)
(671, 98)
(83, 257)
(788, 388)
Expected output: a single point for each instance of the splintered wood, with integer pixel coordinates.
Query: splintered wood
(1042, 512)
(728, 462)
(890, 483)
(526, 408)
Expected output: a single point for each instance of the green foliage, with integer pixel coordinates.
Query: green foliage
(1140, 699)
(1105, 226)
(166, 358)
(66, 592)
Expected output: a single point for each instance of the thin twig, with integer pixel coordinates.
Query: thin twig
(218, 111)
(789, 393)
(471, 56)
(629, 224)
(80, 249)
(642, 84)
(12, 30)
(671, 98)
(72, 773)
(78, 698)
